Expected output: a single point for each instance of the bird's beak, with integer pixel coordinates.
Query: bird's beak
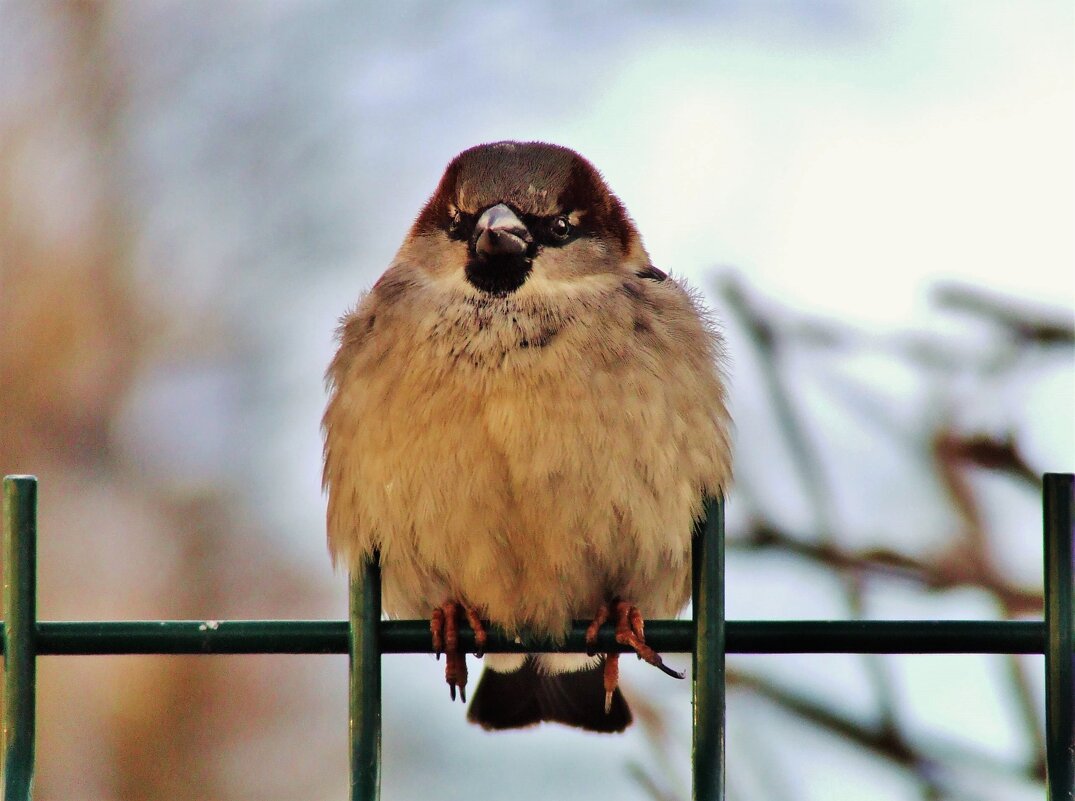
(500, 233)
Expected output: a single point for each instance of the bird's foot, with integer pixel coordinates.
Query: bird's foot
(630, 630)
(444, 626)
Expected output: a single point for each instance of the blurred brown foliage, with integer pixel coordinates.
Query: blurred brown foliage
(115, 544)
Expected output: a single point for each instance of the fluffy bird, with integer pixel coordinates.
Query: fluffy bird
(524, 418)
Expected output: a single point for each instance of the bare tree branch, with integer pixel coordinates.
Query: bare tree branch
(1039, 328)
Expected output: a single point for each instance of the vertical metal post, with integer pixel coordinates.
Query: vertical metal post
(365, 681)
(1059, 505)
(20, 616)
(708, 661)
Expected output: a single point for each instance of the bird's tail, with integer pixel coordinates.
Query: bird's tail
(528, 696)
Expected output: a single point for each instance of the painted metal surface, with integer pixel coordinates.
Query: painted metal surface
(365, 683)
(707, 613)
(1059, 514)
(20, 617)
(666, 636)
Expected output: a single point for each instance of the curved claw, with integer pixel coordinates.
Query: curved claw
(630, 632)
(675, 674)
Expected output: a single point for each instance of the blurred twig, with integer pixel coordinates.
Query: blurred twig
(807, 463)
(885, 742)
(945, 571)
(1030, 327)
(953, 455)
(937, 444)
(999, 454)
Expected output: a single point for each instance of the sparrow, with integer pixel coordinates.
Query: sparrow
(524, 417)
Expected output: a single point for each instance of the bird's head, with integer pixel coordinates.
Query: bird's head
(522, 217)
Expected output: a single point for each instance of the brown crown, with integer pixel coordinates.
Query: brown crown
(533, 178)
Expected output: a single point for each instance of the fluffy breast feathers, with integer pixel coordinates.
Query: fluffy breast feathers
(493, 447)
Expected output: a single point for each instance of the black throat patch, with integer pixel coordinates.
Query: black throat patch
(500, 275)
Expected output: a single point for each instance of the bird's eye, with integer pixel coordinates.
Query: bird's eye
(457, 228)
(560, 228)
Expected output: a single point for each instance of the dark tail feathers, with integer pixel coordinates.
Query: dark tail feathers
(527, 696)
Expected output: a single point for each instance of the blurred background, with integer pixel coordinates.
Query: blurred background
(876, 197)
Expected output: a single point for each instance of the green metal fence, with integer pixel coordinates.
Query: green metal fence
(366, 637)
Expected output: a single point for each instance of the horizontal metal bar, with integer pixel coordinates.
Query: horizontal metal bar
(668, 636)
(194, 637)
(773, 637)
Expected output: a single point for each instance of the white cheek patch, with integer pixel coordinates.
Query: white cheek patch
(571, 272)
(455, 281)
(584, 257)
(542, 289)
(435, 255)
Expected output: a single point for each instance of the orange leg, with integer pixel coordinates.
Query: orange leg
(436, 629)
(630, 631)
(612, 678)
(476, 626)
(611, 671)
(444, 629)
(591, 630)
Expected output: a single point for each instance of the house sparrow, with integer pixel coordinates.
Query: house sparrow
(524, 417)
